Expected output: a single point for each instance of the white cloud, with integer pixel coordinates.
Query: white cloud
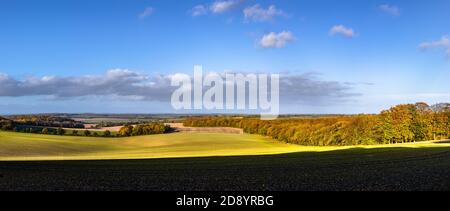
(258, 14)
(222, 6)
(276, 40)
(390, 9)
(199, 10)
(217, 7)
(147, 12)
(341, 29)
(443, 43)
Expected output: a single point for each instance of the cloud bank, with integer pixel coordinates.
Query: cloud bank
(117, 82)
(126, 85)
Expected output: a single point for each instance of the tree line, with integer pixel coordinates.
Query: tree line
(128, 130)
(144, 129)
(54, 131)
(399, 124)
(45, 121)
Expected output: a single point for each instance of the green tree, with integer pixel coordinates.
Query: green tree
(6, 127)
(107, 133)
(60, 131)
(75, 132)
(86, 133)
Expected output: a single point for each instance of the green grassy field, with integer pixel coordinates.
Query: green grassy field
(23, 146)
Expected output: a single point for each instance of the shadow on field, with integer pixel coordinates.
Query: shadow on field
(379, 169)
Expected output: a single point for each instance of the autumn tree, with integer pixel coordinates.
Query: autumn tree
(126, 130)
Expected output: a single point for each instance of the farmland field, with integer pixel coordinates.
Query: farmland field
(201, 161)
(23, 146)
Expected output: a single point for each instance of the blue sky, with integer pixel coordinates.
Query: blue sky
(380, 53)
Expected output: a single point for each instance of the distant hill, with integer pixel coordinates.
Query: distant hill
(46, 121)
(40, 118)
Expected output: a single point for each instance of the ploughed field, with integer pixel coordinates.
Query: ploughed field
(211, 161)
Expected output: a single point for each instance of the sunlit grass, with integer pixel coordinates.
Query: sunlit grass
(22, 146)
